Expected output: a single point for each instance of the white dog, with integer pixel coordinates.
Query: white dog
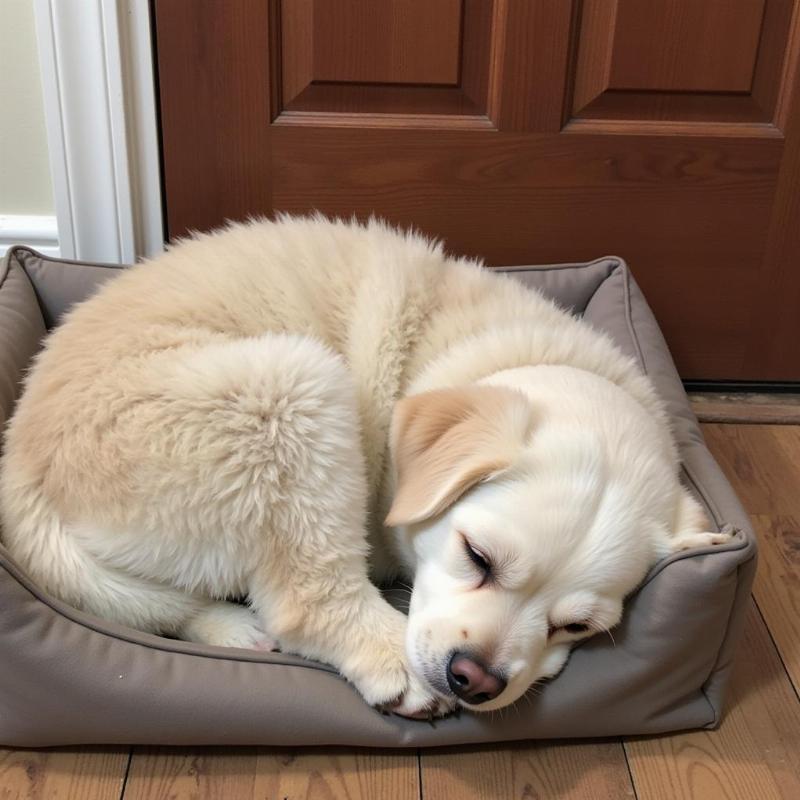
(240, 415)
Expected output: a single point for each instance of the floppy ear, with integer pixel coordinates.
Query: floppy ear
(445, 441)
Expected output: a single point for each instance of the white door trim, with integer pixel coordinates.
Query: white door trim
(100, 111)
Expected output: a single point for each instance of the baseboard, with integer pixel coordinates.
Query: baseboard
(41, 233)
(734, 387)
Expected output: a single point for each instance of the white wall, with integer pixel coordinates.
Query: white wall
(25, 185)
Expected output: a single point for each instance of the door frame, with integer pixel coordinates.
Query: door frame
(98, 81)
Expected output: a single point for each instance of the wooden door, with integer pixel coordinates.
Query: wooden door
(523, 131)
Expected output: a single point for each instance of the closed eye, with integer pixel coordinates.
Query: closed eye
(574, 628)
(479, 559)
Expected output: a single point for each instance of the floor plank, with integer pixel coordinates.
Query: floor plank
(754, 754)
(762, 462)
(243, 773)
(789, 442)
(777, 585)
(568, 771)
(80, 773)
(763, 465)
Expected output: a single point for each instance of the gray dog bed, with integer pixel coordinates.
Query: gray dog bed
(68, 678)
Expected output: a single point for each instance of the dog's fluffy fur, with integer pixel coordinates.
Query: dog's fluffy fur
(217, 422)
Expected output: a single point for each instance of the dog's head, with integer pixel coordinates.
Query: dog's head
(523, 536)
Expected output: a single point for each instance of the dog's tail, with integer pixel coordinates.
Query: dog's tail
(52, 554)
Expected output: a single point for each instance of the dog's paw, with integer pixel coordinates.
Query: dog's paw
(404, 694)
(690, 541)
(399, 691)
(228, 625)
(418, 702)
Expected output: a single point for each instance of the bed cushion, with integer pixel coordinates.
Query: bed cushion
(67, 677)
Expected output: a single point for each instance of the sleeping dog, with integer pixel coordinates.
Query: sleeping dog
(294, 411)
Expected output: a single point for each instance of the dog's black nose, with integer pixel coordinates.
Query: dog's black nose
(471, 681)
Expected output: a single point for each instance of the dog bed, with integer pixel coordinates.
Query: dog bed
(68, 678)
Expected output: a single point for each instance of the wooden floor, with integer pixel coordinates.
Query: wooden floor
(755, 755)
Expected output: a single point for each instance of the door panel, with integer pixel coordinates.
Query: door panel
(361, 57)
(680, 59)
(395, 41)
(522, 131)
(685, 45)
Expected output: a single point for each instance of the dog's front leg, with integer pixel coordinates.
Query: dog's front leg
(333, 613)
(305, 524)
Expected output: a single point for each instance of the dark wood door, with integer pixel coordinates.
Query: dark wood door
(523, 131)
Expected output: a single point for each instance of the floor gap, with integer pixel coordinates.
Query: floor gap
(777, 649)
(630, 771)
(127, 772)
